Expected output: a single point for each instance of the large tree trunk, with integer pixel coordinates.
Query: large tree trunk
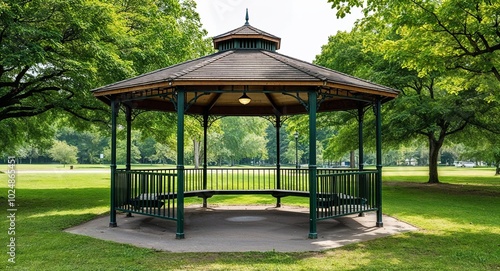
(196, 148)
(434, 147)
(497, 172)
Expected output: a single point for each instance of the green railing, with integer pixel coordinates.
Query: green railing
(241, 179)
(146, 192)
(153, 191)
(344, 193)
(227, 179)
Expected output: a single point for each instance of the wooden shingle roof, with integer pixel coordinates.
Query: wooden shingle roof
(277, 84)
(251, 66)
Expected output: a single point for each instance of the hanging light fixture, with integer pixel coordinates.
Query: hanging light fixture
(244, 99)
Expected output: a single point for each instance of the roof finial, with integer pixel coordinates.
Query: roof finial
(246, 18)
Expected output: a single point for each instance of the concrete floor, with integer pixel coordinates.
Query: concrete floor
(241, 228)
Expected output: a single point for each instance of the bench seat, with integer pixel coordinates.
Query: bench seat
(324, 200)
(147, 201)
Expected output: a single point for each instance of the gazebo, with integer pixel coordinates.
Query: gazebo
(246, 77)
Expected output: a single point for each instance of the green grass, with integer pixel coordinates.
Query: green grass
(459, 228)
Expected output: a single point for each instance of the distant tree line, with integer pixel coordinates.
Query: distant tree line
(253, 143)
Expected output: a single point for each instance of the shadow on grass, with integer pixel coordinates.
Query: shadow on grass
(423, 251)
(47, 210)
(449, 188)
(462, 206)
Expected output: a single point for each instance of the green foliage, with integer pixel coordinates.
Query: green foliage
(36, 131)
(217, 153)
(244, 137)
(429, 106)
(163, 153)
(121, 153)
(147, 148)
(271, 142)
(90, 144)
(255, 146)
(54, 52)
(63, 153)
(437, 36)
(29, 151)
(481, 145)
(162, 127)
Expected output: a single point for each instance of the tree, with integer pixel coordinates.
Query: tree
(481, 145)
(29, 151)
(90, 144)
(254, 146)
(434, 114)
(147, 148)
(18, 132)
(271, 142)
(121, 153)
(289, 155)
(162, 127)
(236, 129)
(54, 52)
(495, 157)
(438, 36)
(164, 153)
(426, 106)
(217, 152)
(63, 153)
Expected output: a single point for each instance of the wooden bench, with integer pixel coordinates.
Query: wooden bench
(330, 200)
(147, 201)
(324, 200)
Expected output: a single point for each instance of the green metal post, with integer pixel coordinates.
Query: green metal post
(312, 166)
(128, 116)
(378, 119)
(360, 138)
(278, 160)
(362, 178)
(128, 113)
(180, 165)
(205, 134)
(114, 112)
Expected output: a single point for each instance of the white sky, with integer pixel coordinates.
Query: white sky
(303, 26)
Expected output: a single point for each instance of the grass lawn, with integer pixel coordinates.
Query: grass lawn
(459, 225)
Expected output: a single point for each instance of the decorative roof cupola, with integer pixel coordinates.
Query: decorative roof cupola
(246, 37)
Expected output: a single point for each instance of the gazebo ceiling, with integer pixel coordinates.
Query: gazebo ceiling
(246, 63)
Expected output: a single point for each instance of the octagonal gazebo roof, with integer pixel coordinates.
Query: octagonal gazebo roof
(247, 62)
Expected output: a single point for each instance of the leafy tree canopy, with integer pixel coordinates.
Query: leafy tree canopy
(458, 35)
(244, 137)
(427, 106)
(53, 52)
(64, 153)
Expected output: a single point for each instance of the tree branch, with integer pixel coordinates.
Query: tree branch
(457, 66)
(442, 25)
(481, 51)
(84, 118)
(25, 112)
(458, 129)
(489, 128)
(18, 88)
(36, 90)
(43, 78)
(496, 73)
